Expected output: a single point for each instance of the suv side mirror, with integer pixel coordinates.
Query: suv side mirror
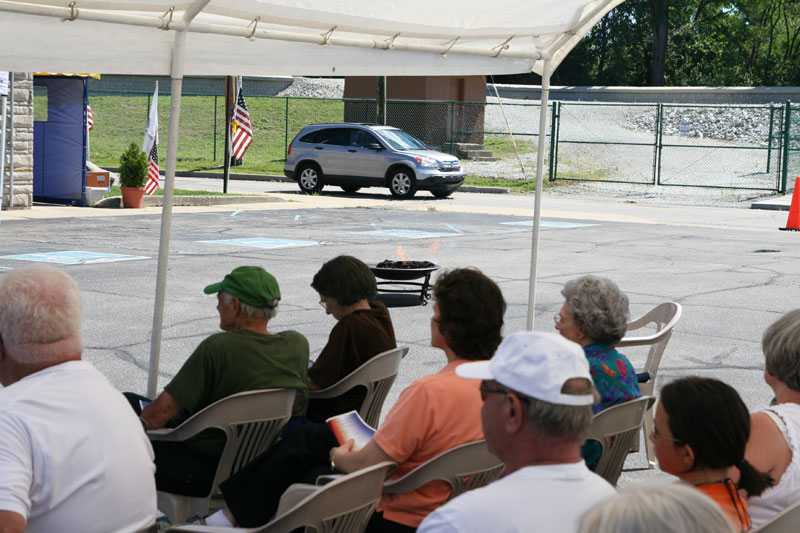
(375, 146)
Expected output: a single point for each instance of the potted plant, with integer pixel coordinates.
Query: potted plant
(132, 176)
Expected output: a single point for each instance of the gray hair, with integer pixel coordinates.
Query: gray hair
(599, 306)
(781, 345)
(664, 507)
(265, 313)
(562, 421)
(40, 315)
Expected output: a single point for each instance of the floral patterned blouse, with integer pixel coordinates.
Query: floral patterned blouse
(615, 380)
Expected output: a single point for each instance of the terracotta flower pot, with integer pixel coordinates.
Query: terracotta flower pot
(132, 196)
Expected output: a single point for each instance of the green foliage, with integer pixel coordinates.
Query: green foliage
(116, 191)
(133, 167)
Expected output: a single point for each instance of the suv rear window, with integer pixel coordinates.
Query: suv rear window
(334, 136)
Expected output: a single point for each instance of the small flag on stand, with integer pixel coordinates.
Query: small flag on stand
(150, 146)
(89, 117)
(241, 130)
(152, 171)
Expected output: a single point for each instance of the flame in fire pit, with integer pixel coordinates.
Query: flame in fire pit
(434, 247)
(401, 254)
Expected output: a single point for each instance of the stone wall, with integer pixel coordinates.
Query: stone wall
(22, 184)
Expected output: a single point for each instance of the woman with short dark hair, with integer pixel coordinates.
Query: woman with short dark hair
(700, 433)
(347, 290)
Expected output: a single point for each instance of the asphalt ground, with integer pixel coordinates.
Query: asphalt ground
(731, 269)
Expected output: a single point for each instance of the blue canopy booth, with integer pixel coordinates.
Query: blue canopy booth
(59, 139)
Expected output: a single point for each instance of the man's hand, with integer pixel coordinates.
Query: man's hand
(157, 413)
(11, 522)
(348, 460)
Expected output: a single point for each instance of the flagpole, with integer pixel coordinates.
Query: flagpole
(228, 117)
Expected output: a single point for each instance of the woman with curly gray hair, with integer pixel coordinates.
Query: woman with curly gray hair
(595, 315)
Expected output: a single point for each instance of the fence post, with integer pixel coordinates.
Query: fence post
(553, 141)
(286, 129)
(215, 128)
(786, 130)
(771, 132)
(657, 146)
(452, 127)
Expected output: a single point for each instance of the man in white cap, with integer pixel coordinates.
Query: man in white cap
(537, 403)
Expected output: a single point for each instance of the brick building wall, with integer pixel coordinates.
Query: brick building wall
(22, 185)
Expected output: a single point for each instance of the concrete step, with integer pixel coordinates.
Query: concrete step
(472, 154)
(484, 158)
(468, 146)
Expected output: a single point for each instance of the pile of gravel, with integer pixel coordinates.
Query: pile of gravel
(748, 125)
(315, 88)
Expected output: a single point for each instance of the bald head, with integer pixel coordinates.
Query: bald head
(40, 316)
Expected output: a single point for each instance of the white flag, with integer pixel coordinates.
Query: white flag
(3, 83)
(151, 134)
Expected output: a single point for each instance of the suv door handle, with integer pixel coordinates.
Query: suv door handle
(352, 150)
(319, 148)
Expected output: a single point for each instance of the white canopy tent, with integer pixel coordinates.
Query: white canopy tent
(294, 37)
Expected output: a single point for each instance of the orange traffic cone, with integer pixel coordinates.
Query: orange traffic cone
(793, 223)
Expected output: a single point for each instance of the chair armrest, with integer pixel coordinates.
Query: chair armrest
(188, 429)
(205, 529)
(324, 480)
(296, 493)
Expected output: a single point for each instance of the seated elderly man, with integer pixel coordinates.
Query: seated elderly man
(537, 404)
(72, 454)
(247, 356)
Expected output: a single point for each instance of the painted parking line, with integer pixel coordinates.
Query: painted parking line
(549, 224)
(73, 257)
(406, 233)
(262, 242)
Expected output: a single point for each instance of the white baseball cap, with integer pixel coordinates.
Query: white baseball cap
(536, 365)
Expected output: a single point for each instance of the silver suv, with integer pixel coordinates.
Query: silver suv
(365, 155)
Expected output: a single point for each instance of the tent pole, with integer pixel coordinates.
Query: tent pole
(3, 101)
(169, 187)
(537, 208)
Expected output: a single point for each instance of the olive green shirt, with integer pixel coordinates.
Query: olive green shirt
(237, 361)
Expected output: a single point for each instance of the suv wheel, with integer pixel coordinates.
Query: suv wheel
(402, 183)
(442, 194)
(309, 178)
(350, 188)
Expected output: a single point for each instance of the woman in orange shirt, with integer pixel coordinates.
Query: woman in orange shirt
(701, 430)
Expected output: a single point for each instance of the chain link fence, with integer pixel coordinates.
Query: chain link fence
(672, 145)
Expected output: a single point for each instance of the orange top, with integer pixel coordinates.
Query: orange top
(432, 415)
(728, 498)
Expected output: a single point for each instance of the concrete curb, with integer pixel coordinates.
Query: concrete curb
(158, 201)
(274, 177)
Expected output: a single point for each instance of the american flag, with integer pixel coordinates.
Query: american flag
(241, 131)
(89, 118)
(152, 171)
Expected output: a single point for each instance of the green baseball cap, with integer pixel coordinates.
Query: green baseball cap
(252, 285)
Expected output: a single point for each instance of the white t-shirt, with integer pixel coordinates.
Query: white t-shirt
(73, 456)
(548, 498)
(786, 492)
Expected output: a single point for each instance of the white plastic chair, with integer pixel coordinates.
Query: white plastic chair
(377, 375)
(251, 422)
(662, 319)
(464, 467)
(787, 521)
(344, 505)
(615, 428)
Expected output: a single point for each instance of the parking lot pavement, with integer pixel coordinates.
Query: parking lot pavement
(731, 269)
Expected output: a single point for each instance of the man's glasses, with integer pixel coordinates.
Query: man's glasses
(487, 390)
(323, 304)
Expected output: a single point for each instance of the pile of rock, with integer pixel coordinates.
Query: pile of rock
(742, 124)
(315, 88)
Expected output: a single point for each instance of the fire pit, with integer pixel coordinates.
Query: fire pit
(399, 290)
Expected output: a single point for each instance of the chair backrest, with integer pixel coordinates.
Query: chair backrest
(787, 521)
(664, 316)
(615, 428)
(463, 467)
(344, 505)
(377, 375)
